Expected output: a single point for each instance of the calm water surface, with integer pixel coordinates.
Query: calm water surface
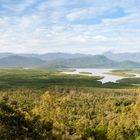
(100, 72)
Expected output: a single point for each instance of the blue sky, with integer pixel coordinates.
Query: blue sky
(78, 26)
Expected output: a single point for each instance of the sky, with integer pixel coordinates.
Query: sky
(71, 26)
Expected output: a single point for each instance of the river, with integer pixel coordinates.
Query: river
(99, 72)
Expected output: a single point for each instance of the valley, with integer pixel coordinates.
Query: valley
(69, 69)
(55, 100)
(48, 104)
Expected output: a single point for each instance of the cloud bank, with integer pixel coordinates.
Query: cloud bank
(83, 26)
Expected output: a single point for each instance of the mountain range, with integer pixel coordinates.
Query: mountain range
(66, 60)
(135, 57)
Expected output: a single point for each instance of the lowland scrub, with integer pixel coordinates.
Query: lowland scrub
(70, 114)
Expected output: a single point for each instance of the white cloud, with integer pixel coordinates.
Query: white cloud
(133, 18)
(45, 28)
(86, 13)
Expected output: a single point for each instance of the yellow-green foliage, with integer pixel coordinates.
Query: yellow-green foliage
(90, 115)
(62, 113)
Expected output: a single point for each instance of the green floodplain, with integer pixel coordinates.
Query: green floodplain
(85, 73)
(44, 104)
(121, 73)
(124, 73)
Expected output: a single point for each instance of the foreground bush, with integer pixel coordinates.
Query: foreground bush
(70, 114)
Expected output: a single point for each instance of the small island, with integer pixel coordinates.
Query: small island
(67, 70)
(121, 73)
(85, 72)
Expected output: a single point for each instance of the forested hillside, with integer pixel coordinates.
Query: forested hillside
(70, 114)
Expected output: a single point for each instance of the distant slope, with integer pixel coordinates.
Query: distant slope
(97, 61)
(135, 57)
(84, 62)
(54, 56)
(19, 61)
(2, 55)
(64, 60)
(128, 64)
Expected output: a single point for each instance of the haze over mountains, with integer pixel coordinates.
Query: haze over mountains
(65, 60)
(123, 56)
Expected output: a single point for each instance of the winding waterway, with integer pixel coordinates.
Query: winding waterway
(100, 72)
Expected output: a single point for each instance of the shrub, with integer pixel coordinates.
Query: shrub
(118, 102)
(127, 102)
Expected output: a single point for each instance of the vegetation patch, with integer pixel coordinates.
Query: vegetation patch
(85, 72)
(121, 73)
